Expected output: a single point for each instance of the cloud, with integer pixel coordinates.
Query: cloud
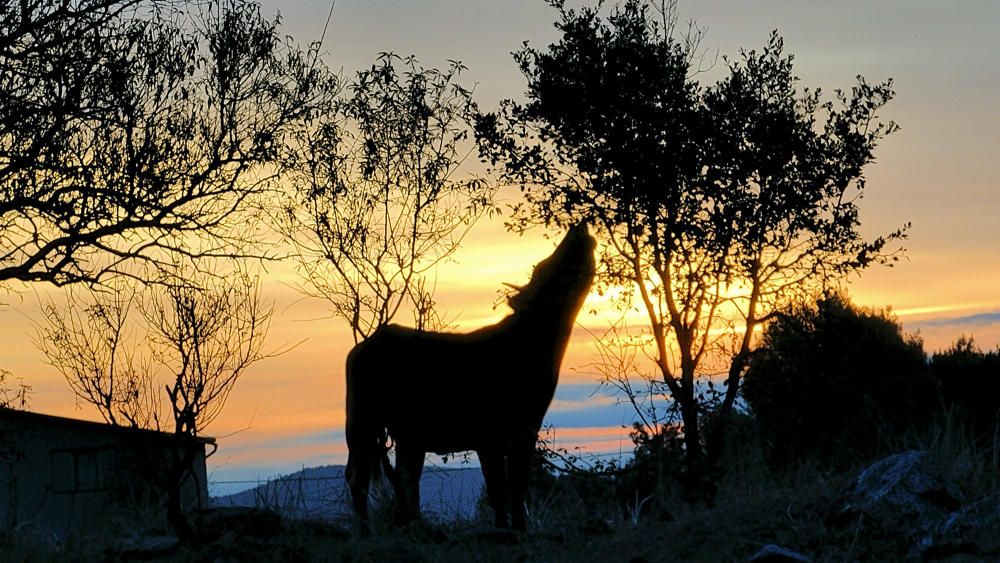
(605, 415)
(579, 392)
(978, 319)
(271, 443)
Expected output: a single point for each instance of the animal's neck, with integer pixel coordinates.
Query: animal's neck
(544, 331)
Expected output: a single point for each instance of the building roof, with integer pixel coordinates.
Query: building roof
(14, 415)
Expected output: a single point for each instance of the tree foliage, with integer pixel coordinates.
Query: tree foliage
(129, 129)
(834, 378)
(716, 204)
(382, 193)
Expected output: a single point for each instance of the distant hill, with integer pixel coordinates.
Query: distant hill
(446, 494)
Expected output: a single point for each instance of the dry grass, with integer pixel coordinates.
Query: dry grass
(754, 506)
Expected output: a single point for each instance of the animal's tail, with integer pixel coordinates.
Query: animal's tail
(383, 464)
(368, 442)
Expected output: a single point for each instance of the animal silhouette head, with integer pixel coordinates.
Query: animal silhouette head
(561, 279)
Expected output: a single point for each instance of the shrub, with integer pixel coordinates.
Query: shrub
(837, 379)
(969, 380)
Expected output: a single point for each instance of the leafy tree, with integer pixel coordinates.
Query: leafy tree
(383, 196)
(837, 379)
(128, 128)
(969, 380)
(716, 204)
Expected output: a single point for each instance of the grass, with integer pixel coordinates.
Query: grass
(754, 506)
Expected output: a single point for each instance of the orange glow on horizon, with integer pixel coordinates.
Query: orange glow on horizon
(301, 392)
(931, 310)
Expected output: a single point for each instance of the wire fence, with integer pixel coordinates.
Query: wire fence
(447, 493)
(322, 496)
(321, 493)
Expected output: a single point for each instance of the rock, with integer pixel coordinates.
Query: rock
(903, 492)
(596, 527)
(972, 530)
(771, 553)
(213, 522)
(496, 536)
(148, 547)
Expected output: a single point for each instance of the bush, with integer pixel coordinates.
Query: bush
(578, 491)
(836, 379)
(969, 380)
(657, 471)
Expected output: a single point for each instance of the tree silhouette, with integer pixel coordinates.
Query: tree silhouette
(837, 379)
(13, 397)
(206, 336)
(135, 134)
(129, 128)
(382, 193)
(91, 342)
(170, 365)
(715, 204)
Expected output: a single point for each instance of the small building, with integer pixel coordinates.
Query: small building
(63, 476)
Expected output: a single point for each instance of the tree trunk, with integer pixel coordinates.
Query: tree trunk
(718, 434)
(697, 478)
(689, 416)
(181, 459)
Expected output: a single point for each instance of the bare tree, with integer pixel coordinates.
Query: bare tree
(192, 335)
(205, 336)
(384, 195)
(13, 397)
(90, 341)
(130, 127)
(200, 334)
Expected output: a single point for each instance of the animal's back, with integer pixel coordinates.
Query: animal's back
(403, 356)
(445, 390)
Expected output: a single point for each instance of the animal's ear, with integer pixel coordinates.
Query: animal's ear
(578, 231)
(582, 232)
(515, 298)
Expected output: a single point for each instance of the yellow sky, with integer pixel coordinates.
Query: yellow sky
(940, 172)
(288, 411)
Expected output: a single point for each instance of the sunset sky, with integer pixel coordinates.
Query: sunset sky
(940, 172)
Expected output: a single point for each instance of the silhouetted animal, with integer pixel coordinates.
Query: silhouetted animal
(486, 390)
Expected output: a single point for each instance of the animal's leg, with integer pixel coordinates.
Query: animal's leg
(359, 474)
(518, 472)
(409, 465)
(495, 475)
(362, 439)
